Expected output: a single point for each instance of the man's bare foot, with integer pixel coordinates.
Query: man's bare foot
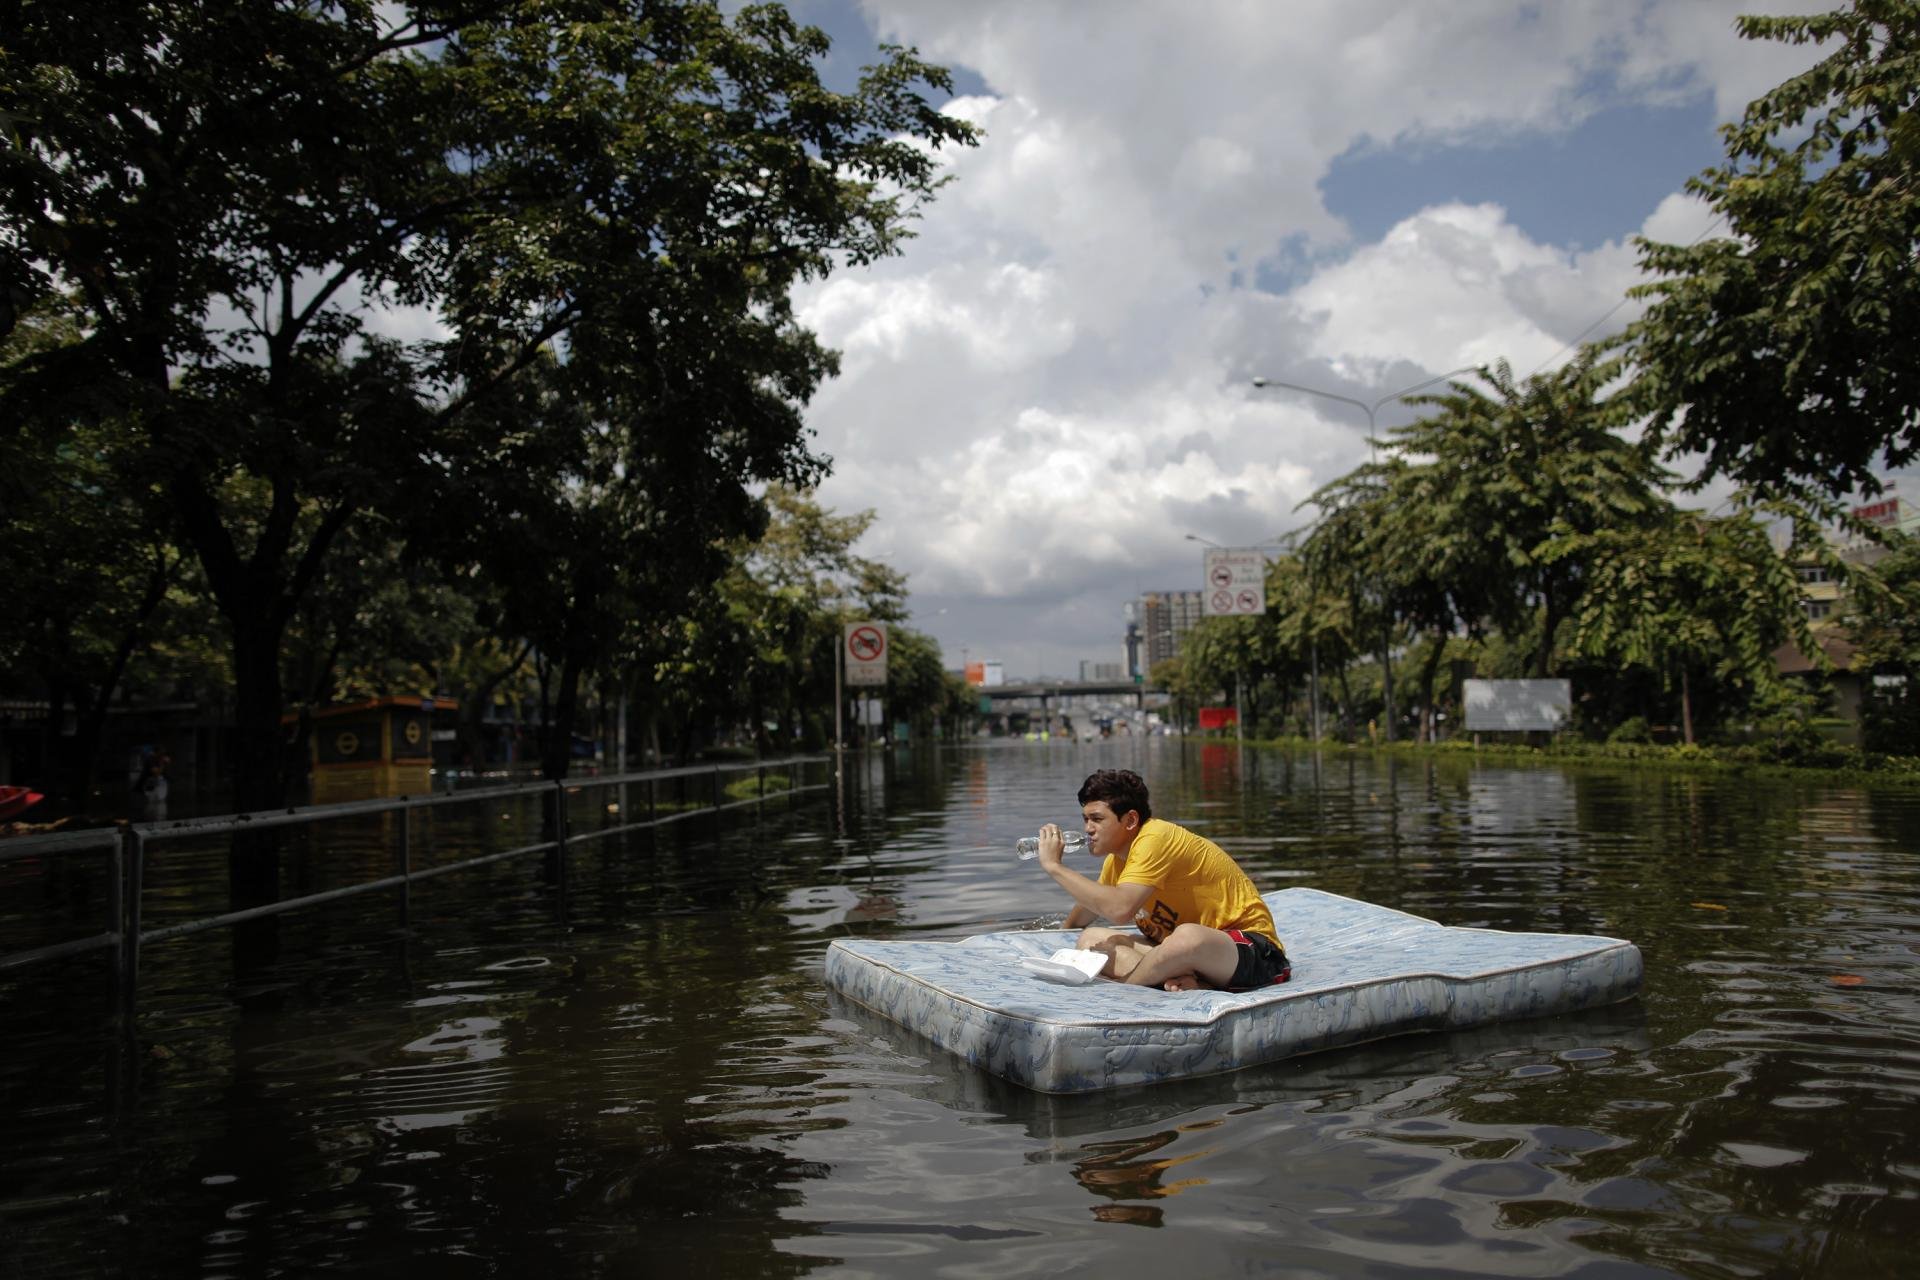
(1185, 982)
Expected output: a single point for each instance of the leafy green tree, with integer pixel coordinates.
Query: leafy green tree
(88, 569)
(1463, 524)
(610, 200)
(1346, 554)
(1684, 595)
(1882, 617)
(757, 648)
(1185, 692)
(383, 621)
(920, 689)
(1783, 351)
(1220, 656)
(1490, 482)
(1305, 631)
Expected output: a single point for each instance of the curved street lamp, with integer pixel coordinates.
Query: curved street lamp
(1369, 409)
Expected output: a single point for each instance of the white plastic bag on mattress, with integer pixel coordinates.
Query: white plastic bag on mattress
(1068, 965)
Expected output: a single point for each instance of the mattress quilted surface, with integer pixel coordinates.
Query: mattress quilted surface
(1360, 972)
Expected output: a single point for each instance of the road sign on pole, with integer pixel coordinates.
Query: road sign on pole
(1236, 582)
(865, 648)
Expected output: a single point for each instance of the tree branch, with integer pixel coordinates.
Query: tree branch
(552, 329)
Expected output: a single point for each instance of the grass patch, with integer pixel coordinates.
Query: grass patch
(1827, 760)
(752, 787)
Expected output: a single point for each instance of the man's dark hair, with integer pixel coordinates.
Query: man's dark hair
(1122, 789)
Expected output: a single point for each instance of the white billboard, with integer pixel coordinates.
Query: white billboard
(1236, 582)
(1518, 706)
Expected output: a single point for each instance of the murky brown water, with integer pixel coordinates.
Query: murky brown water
(657, 1084)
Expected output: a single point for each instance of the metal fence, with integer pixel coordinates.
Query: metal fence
(127, 846)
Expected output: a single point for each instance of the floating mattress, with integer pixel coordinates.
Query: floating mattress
(1360, 972)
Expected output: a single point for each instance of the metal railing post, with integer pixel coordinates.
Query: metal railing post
(136, 872)
(117, 903)
(560, 839)
(403, 866)
(126, 848)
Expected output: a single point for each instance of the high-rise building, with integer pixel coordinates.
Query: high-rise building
(1092, 672)
(1165, 619)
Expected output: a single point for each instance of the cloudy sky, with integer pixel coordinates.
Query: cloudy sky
(1052, 387)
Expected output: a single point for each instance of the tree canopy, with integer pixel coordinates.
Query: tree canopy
(1782, 350)
(589, 215)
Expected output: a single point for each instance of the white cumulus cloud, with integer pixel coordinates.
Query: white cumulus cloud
(1051, 387)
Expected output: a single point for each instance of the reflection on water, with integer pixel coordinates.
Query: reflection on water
(653, 1080)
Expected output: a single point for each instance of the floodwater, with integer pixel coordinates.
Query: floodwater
(646, 1077)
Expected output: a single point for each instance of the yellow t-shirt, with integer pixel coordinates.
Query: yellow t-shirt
(1194, 881)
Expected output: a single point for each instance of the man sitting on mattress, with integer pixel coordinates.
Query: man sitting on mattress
(1201, 922)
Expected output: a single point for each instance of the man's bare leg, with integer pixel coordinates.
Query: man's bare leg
(1192, 956)
(1123, 948)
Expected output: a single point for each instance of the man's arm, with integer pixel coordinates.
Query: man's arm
(1115, 903)
(1092, 900)
(1078, 918)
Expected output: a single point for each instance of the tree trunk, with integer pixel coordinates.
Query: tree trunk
(1386, 679)
(90, 710)
(1428, 671)
(1549, 623)
(56, 766)
(474, 704)
(556, 747)
(543, 674)
(260, 758)
(1686, 707)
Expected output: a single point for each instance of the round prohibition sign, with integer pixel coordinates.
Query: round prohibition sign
(1223, 602)
(1222, 576)
(866, 644)
(1248, 602)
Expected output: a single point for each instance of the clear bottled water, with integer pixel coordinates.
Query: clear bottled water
(1029, 846)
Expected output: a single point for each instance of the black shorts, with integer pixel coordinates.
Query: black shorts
(1262, 962)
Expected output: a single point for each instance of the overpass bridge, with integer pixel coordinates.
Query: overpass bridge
(1047, 693)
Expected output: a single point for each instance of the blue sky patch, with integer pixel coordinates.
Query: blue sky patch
(1577, 190)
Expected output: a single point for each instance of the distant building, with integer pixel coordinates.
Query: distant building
(1165, 619)
(1092, 672)
(986, 674)
(1820, 593)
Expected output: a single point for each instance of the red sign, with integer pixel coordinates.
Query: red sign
(866, 653)
(1218, 717)
(1886, 511)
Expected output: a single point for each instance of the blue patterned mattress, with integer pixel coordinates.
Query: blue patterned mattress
(1360, 972)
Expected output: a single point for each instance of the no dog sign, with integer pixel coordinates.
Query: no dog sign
(864, 648)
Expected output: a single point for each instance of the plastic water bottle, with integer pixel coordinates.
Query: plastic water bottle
(1029, 846)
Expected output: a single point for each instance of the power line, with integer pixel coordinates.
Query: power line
(1577, 338)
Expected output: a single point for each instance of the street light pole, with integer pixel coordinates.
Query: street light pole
(1371, 410)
